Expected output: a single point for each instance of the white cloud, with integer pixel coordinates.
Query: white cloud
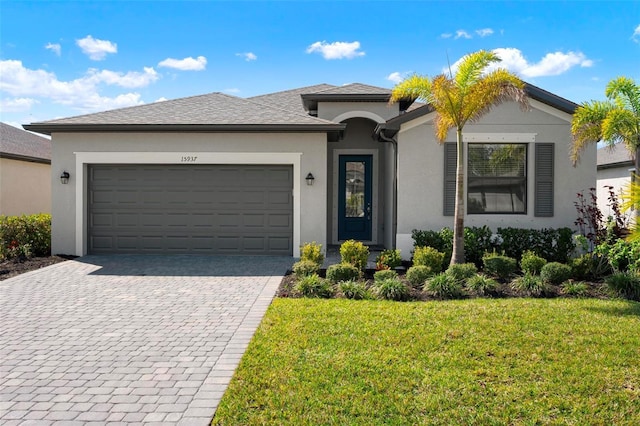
(336, 50)
(55, 47)
(397, 77)
(17, 104)
(95, 48)
(160, 99)
(636, 34)
(462, 34)
(446, 35)
(484, 32)
(232, 90)
(555, 63)
(82, 93)
(186, 64)
(248, 56)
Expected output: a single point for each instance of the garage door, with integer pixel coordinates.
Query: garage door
(206, 209)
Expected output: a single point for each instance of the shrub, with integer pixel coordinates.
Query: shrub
(575, 288)
(555, 245)
(555, 273)
(342, 272)
(304, 268)
(314, 286)
(624, 284)
(312, 252)
(622, 255)
(354, 290)
(388, 259)
(477, 241)
(481, 284)
(589, 266)
(498, 265)
(385, 274)
(391, 289)
(418, 274)
(355, 253)
(531, 263)
(462, 271)
(443, 286)
(530, 285)
(428, 256)
(429, 238)
(25, 236)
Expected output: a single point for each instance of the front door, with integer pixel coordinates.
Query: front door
(354, 197)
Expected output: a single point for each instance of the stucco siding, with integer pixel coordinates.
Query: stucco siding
(337, 110)
(421, 172)
(25, 187)
(618, 178)
(68, 147)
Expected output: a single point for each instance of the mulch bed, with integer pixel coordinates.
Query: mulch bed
(11, 268)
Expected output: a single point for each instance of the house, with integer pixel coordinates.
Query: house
(222, 174)
(25, 172)
(615, 169)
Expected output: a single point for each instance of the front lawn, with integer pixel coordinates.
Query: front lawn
(479, 361)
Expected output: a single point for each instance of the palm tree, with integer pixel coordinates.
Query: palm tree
(458, 99)
(613, 121)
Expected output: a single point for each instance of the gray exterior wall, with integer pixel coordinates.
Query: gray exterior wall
(421, 171)
(69, 148)
(618, 178)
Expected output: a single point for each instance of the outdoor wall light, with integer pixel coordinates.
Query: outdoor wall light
(64, 177)
(310, 179)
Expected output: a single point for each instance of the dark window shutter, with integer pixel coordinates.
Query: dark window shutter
(450, 158)
(544, 180)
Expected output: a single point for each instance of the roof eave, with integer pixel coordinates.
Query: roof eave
(26, 158)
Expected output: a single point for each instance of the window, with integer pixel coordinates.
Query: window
(497, 178)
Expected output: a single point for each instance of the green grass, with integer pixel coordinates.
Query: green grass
(493, 362)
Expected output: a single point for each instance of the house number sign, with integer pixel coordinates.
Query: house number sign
(188, 159)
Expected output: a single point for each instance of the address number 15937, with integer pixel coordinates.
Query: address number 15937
(188, 159)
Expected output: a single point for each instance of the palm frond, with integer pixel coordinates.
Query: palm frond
(413, 87)
(625, 93)
(471, 68)
(495, 88)
(621, 126)
(586, 125)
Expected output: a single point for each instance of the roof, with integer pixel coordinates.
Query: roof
(290, 99)
(616, 156)
(354, 92)
(392, 126)
(20, 145)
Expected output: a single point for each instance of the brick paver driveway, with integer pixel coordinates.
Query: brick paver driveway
(128, 339)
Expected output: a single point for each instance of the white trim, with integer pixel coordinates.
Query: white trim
(85, 158)
(417, 122)
(359, 114)
(374, 191)
(550, 110)
(500, 137)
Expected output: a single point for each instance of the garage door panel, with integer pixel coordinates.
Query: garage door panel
(217, 209)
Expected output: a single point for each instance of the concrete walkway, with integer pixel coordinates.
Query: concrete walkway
(128, 339)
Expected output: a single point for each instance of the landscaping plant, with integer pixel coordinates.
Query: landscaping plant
(417, 275)
(25, 236)
(312, 252)
(303, 268)
(428, 256)
(575, 288)
(342, 272)
(499, 265)
(355, 253)
(388, 259)
(314, 286)
(481, 284)
(555, 273)
(391, 289)
(384, 274)
(443, 286)
(531, 263)
(355, 290)
(529, 285)
(462, 271)
(625, 285)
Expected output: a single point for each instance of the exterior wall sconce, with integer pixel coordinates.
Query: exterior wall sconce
(64, 177)
(310, 179)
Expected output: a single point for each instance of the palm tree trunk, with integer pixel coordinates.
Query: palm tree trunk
(458, 226)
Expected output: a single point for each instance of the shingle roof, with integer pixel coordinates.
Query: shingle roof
(353, 89)
(17, 143)
(290, 99)
(618, 155)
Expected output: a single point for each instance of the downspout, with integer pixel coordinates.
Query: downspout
(394, 143)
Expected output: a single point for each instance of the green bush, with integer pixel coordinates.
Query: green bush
(304, 268)
(622, 255)
(555, 273)
(312, 252)
(462, 271)
(342, 272)
(355, 290)
(417, 275)
(428, 256)
(388, 259)
(477, 241)
(555, 245)
(499, 265)
(481, 284)
(391, 289)
(443, 286)
(530, 285)
(575, 288)
(314, 286)
(385, 274)
(624, 284)
(355, 253)
(531, 263)
(590, 266)
(25, 236)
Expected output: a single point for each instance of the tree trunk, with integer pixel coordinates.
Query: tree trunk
(458, 226)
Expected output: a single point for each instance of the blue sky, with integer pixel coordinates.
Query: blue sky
(65, 58)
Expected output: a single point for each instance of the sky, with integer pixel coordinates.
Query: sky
(66, 58)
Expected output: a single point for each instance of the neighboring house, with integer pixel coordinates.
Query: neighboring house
(25, 172)
(615, 169)
(222, 174)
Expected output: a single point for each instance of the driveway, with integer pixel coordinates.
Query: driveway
(128, 339)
